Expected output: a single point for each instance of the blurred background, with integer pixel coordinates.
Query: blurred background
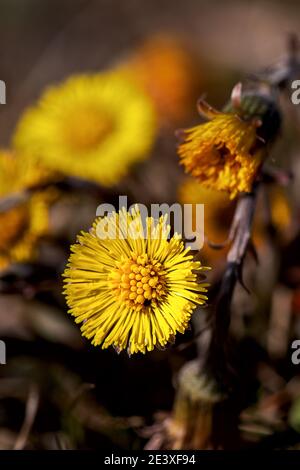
(57, 391)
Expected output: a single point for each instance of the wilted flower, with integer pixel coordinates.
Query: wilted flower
(227, 152)
(135, 291)
(91, 126)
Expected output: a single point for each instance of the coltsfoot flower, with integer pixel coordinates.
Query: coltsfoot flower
(22, 226)
(27, 220)
(227, 152)
(18, 173)
(134, 291)
(91, 126)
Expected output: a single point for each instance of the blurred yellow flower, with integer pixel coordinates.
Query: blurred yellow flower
(280, 214)
(134, 290)
(21, 227)
(165, 70)
(26, 220)
(218, 213)
(91, 126)
(219, 153)
(18, 173)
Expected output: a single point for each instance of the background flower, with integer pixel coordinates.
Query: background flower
(18, 173)
(167, 71)
(22, 226)
(91, 126)
(218, 212)
(26, 219)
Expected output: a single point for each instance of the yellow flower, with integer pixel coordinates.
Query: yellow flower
(219, 210)
(132, 290)
(218, 213)
(26, 220)
(18, 173)
(220, 154)
(165, 70)
(227, 152)
(280, 215)
(21, 227)
(91, 126)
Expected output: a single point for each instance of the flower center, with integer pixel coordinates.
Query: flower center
(87, 128)
(139, 281)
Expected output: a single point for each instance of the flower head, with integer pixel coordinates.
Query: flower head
(91, 126)
(22, 226)
(27, 219)
(135, 290)
(17, 173)
(227, 152)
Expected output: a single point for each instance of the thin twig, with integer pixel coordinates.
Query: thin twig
(241, 228)
(240, 233)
